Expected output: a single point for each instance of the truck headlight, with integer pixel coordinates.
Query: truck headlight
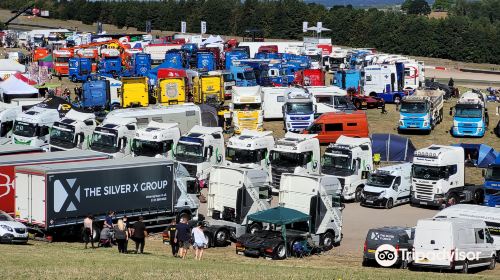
(7, 228)
(289, 125)
(382, 194)
(426, 123)
(401, 123)
(439, 190)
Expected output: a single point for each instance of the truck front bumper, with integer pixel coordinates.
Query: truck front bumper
(460, 131)
(433, 203)
(378, 202)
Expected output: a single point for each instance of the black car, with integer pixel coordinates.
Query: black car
(401, 238)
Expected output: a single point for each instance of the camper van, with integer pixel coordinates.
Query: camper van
(330, 126)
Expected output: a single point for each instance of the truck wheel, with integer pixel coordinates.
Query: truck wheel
(493, 263)
(389, 204)
(478, 197)
(404, 264)
(96, 233)
(74, 79)
(397, 98)
(254, 228)
(357, 194)
(366, 262)
(221, 237)
(465, 267)
(209, 240)
(455, 198)
(279, 252)
(327, 241)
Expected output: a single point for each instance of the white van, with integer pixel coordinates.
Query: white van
(490, 215)
(388, 186)
(453, 244)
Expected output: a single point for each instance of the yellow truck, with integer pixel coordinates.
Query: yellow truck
(209, 89)
(172, 90)
(134, 92)
(246, 109)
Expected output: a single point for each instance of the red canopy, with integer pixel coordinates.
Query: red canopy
(24, 79)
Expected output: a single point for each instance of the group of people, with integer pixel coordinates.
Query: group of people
(182, 237)
(118, 233)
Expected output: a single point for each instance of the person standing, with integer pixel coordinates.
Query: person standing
(451, 82)
(108, 221)
(121, 236)
(182, 237)
(200, 241)
(87, 231)
(172, 229)
(127, 229)
(140, 235)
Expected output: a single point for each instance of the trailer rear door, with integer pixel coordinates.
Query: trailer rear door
(30, 198)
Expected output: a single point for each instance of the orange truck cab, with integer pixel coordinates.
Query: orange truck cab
(329, 126)
(40, 53)
(61, 61)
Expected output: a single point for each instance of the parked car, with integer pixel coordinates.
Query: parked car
(12, 231)
(398, 237)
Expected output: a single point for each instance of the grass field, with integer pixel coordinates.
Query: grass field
(41, 260)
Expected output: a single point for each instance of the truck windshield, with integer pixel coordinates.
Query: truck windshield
(189, 152)
(336, 165)
(286, 159)
(247, 107)
(104, 142)
(380, 180)
(464, 112)
(315, 57)
(150, 148)
(429, 172)
(24, 129)
(299, 108)
(241, 156)
(249, 75)
(62, 137)
(493, 174)
(413, 107)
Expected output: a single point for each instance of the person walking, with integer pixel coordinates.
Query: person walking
(87, 231)
(172, 229)
(200, 241)
(140, 235)
(182, 237)
(127, 229)
(121, 236)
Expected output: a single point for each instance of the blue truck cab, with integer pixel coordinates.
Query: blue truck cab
(80, 69)
(471, 117)
(110, 66)
(298, 110)
(422, 111)
(234, 55)
(346, 79)
(141, 64)
(96, 95)
(492, 184)
(243, 76)
(205, 61)
(174, 59)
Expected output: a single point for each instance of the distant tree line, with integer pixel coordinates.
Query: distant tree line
(470, 33)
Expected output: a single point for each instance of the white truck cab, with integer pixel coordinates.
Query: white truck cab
(349, 160)
(388, 186)
(113, 137)
(199, 150)
(156, 140)
(72, 132)
(32, 127)
(8, 114)
(292, 154)
(298, 109)
(249, 149)
(329, 99)
(318, 196)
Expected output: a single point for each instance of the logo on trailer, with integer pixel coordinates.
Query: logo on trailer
(171, 90)
(66, 195)
(7, 185)
(386, 255)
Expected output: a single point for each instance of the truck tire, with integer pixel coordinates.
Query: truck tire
(493, 263)
(74, 79)
(389, 204)
(327, 240)
(279, 252)
(221, 237)
(254, 227)
(478, 197)
(465, 267)
(357, 194)
(455, 197)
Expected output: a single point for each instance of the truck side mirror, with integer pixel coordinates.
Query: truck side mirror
(364, 174)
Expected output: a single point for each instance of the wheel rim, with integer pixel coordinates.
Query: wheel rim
(221, 236)
(327, 241)
(389, 203)
(358, 195)
(281, 251)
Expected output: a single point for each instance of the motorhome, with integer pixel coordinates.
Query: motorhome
(72, 132)
(329, 99)
(292, 154)
(114, 137)
(249, 149)
(453, 244)
(438, 177)
(388, 186)
(350, 161)
(32, 126)
(156, 140)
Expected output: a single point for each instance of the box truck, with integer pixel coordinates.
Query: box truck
(8, 163)
(54, 199)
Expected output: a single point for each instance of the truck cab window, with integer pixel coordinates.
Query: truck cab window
(452, 169)
(240, 76)
(334, 127)
(480, 237)
(397, 182)
(315, 128)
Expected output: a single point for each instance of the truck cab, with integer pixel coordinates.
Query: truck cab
(32, 127)
(350, 161)
(61, 58)
(471, 116)
(294, 153)
(233, 194)
(96, 95)
(316, 57)
(243, 76)
(249, 149)
(492, 184)
(199, 150)
(156, 140)
(72, 132)
(8, 114)
(421, 111)
(318, 196)
(134, 92)
(140, 64)
(205, 61)
(388, 186)
(111, 63)
(246, 108)
(438, 176)
(80, 69)
(173, 89)
(209, 89)
(298, 110)
(113, 137)
(234, 55)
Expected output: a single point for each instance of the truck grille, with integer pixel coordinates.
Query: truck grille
(424, 192)
(20, 230)
(276, 175)
(191, 169)
(371, 195)
(249, 123)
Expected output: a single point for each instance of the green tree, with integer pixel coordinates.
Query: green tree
(443, 5)
(416, 7)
